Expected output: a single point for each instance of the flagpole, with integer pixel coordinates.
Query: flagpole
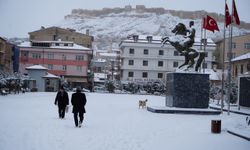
(223, 63)
(204, 44)
(230, 61)
(202, 35)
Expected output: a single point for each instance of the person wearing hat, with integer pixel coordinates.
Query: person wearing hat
(62, 100)
(78, 100)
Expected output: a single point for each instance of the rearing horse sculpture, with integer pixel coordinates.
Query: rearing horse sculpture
(187, 51)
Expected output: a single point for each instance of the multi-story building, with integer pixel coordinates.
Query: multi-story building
(241, 65)
(143, 59)
(240, 46)
(56, 33)
(8, 56)
(65, 59)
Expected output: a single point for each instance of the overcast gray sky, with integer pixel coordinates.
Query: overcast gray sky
(18, 17)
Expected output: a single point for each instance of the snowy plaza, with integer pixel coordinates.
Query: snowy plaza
(112, 122)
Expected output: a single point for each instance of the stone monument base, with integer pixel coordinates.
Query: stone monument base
(187, 90)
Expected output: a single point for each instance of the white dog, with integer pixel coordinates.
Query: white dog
(142, 103)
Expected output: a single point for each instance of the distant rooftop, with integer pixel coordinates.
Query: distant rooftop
(36, 67)
(242, 57)
(157, 39)
(54, 44)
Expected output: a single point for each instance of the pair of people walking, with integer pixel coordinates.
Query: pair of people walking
(78, 100)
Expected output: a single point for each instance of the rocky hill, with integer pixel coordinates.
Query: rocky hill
(111, 25)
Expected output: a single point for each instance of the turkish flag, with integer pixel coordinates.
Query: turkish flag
(210, 24)
(235, 14)
(227, 15)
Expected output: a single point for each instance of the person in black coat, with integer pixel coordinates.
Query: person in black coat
(78, 100)
(62, 100)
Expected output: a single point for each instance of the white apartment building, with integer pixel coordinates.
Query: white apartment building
(143, 59)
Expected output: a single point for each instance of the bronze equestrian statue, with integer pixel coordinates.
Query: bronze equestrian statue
(183, 42)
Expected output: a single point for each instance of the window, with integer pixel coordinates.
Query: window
(247, 45)
(36, 55)
(233, 45)
(79, 68)
(160, 75)
(99, 69)
(176, 53)
(57, 44)
(130, 74)
(54, 37)
(160, 63)
(149, 38)
(145, 63)
(233, 55)
(64, 67)
(66, 44)
(50, 66)
(236, 71)
(131, 51)
(241, 69)
(50, 55)
(145, 52)
(64, 57)
(25, 53)
(161, 52)
(79, 57)
(41, 44)
(144, 74)
(130, 62)
(175, 64)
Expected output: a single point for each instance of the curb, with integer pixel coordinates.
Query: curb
(239, 135)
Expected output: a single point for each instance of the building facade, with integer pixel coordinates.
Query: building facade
(8, 56)
(241, 65)
(144, 60)
(56, 33)
(240, 46)
(64, 59)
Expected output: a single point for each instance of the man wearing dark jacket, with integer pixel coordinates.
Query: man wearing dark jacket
(78, 100)
(62, 100)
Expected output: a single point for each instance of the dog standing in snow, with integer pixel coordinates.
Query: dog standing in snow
(142, 103)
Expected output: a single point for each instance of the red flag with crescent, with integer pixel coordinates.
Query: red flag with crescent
(210, 24)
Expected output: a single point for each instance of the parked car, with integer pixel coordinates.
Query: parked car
(100, 89)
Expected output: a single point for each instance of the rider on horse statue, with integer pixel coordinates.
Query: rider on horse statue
(189, 41)
(183, 42)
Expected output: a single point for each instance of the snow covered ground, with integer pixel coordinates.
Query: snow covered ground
(113, 122)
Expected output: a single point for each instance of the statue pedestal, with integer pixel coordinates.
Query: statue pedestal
(187, 90)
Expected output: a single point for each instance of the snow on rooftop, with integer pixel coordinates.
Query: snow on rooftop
(242, 57)
(157, 39)
(36, 67)
(49, 75)
(108, 54)
(75, 46)
(99, 60)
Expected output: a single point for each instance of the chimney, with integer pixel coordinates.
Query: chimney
(135, 38)
(149, 38)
